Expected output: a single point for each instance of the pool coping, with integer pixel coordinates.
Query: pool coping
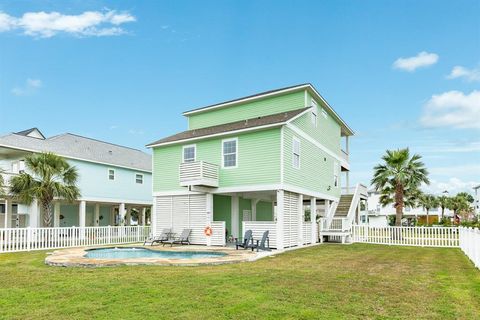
(74, 257)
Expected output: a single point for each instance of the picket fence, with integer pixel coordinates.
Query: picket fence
(27, 239)
(467, 239)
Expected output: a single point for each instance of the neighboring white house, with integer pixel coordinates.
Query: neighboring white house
(378, 214)
(476, 202)
(112, 179)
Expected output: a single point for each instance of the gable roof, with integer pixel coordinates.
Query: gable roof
(305, 86)
(29, 132)
(73, 146)
(230, 128)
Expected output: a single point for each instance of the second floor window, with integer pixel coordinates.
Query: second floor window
(296, 153)
(229, 153)
(189, 153)
(111, 174)
(314, 113)
(139, 178)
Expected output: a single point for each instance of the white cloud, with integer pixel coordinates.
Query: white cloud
(48, 24)
(31, 85)
(467, 74)
(423, 59)
(452, 185)
(453, 109)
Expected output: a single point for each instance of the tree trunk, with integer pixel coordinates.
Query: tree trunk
(47, 214)
(427, 217)
(398, 204)
(443, 210)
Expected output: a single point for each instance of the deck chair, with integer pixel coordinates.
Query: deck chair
(247, 240)
(260, 244)
(164, 236)
(182, 239)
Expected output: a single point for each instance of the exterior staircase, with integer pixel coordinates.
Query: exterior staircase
(338, 222)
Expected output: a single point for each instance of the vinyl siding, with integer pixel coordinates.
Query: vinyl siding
(316, 166)
(258, 161)
(263, 107)
(327, 132)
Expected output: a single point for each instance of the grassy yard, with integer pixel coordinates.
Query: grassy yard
(327, 282)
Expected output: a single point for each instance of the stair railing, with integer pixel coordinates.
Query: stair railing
(331, 214)
(359, 190)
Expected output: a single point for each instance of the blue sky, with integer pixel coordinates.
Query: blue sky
(123, 71)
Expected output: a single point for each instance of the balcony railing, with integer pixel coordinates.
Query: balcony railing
(344, 155)
(198, 173)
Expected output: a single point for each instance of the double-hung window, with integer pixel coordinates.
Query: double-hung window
(314, 113)
(111, 174)
(189, 153)
(139, 178)
(230, 153)
(296, 153)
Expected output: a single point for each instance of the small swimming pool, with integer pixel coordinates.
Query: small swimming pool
(140, 253)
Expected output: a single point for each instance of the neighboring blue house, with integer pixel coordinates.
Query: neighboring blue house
(113, 180)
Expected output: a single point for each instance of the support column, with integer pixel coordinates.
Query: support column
(122, 213)
(82, 208)
(144, 216)
(301, 219)
(209, 215)
(56, 214)
(327, 208)
(313, 219)
(347, 181)
(235, 218)
(8, 213)
(254, 209)
(96, 215)
(128, 216)
(280, 218)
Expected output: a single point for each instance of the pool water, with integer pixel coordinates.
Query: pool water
(138, 253)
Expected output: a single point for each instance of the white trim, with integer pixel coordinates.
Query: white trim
(139, 174)
(304, 135)
(250, 188)
(256, 97)
(236, 153)
(305, 102)
(194, 152)
(115, 201)
(233, 132)
(174, 193)
(314, 113)
(295, 139)
(76, 158)
(300, 190)
(299, 115)
(282, 142)
(108, 174)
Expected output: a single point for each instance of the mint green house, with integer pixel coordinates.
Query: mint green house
(271, 161)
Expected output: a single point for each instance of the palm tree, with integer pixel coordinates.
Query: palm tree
(399, 175)
(429, 201)
(459, 203)
(51, 177)
(443, 202)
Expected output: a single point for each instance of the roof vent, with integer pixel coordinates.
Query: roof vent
(110, 152)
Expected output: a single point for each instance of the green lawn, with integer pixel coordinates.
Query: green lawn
(359, 281)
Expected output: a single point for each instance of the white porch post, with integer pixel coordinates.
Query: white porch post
(235, 218)
(347, 181)
(33, 215)
(8, 213)
(122, 213)
(82, 208)
(144, 216)
(96, 215)
(313, 219)
(209, 214)
(301, 219)
(254, 209)
(327, 207)
(56, 214)
(128, 216)
(280, 216)
(153, 217)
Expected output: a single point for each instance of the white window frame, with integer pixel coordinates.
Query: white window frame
(295, 139)
(139, 174)
(108, 174)
(236, 153)
(194, 152)
(336, 174)
(314, 115)
(324, 113)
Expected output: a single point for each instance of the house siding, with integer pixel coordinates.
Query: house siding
(249, 110)
(258, 161)
(316, 166)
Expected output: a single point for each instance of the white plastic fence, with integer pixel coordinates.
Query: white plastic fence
(407, 236)
(26, 239)
(307, 232)
(470, 244)
(218, 237)
(259, 227)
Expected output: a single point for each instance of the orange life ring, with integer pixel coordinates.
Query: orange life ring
(208, 231)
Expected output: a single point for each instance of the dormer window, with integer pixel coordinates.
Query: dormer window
(111, 174)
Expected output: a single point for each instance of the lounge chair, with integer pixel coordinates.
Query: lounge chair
(260, 244)
(164, 236)
(247, 240)
(182, 239)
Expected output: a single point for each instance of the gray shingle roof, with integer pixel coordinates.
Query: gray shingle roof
(73, 146)
(277, 118)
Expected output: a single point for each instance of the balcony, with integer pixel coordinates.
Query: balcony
(198, 173)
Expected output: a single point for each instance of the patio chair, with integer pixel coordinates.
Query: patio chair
(247, 241)
(164, 236)
(182, 239)
(260, 244)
